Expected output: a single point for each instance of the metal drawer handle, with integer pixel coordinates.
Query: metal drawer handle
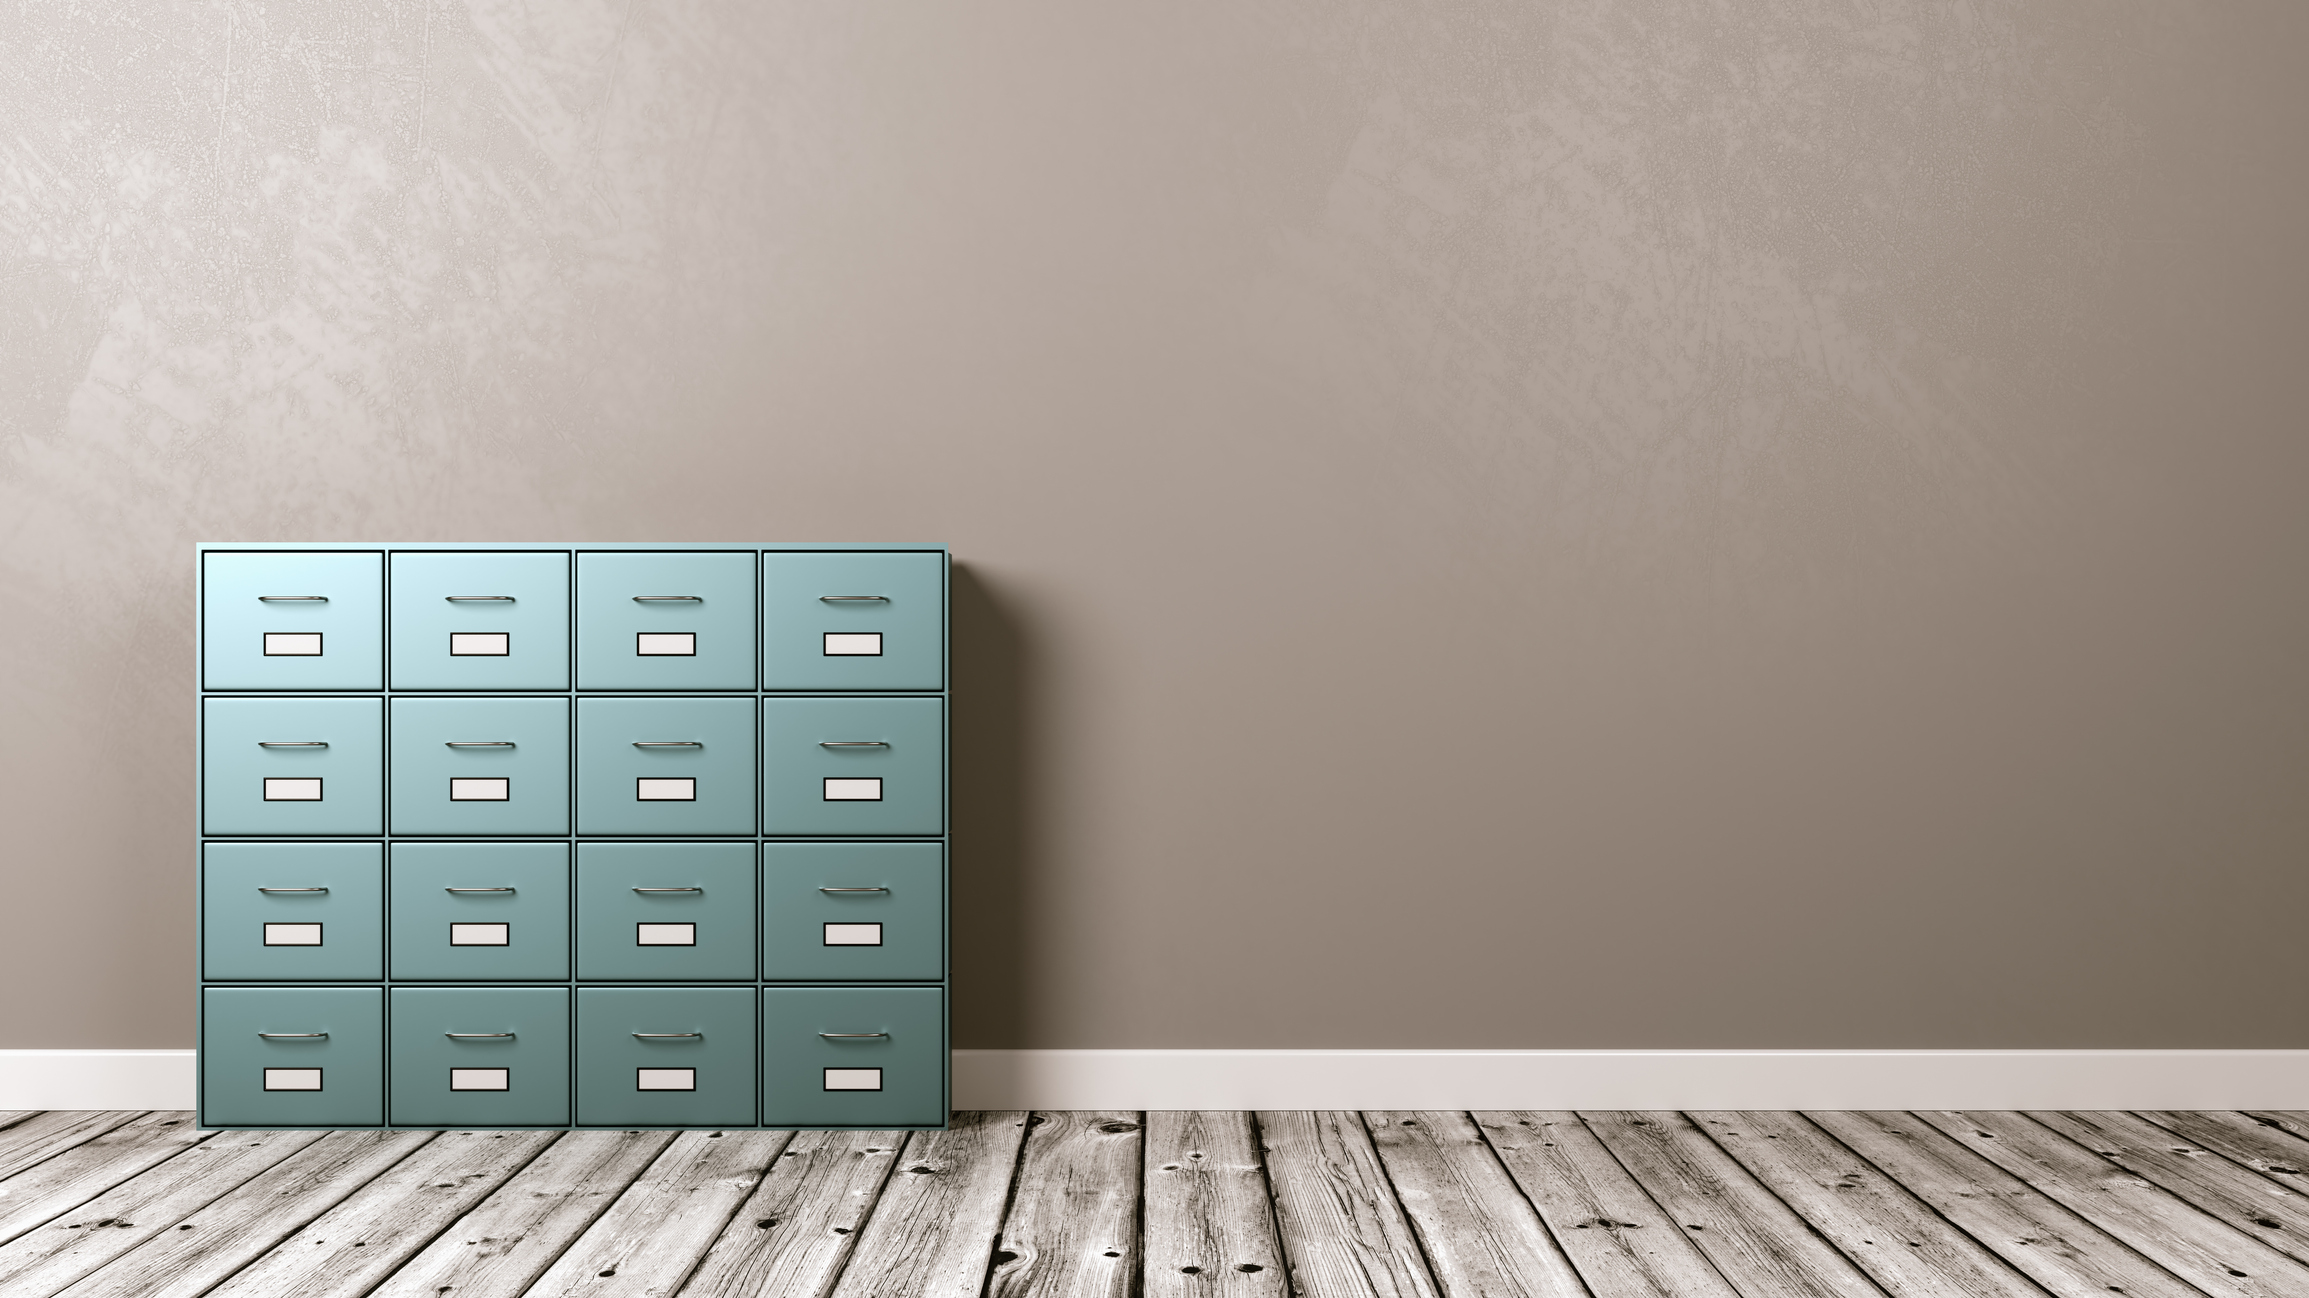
(292, 599)
(669, 599)
(292, 890)
(477, 743)
(476, 890)
(661, 1036)
(669, 890)
(292, 743)
(853, 599)
(667, 743)
(853, 890)
(284, 1036)
(478, 599)
(851, 1036)
(851, 743)
(478, 1036)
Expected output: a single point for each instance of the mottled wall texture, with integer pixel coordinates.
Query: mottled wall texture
(1483, 523)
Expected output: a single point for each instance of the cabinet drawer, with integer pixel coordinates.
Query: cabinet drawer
(853, 912)
(480, 1056)
(480, 912)
(853, 621)
(853, 766)
(292, 912)
(665, 621)
(665, 1056)
(292, 766)
(481, 766)
(480, 621)
(292, 1057)
(292, 621)
(853, 1056)
(665, 912)
(665, 766)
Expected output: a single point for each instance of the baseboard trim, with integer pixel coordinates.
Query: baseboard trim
(1440, 1079)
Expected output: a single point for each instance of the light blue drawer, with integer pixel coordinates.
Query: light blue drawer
(853, 621)
(480, 621)
(292, 912)
(665, 620)
(853, 912)
(292, 1057)
(291, 620)
(295, 767)
(665, 766)
(665, 1056)
(853, 1057)
(481, 766)
(480, 912)
(843, 766)
(665, 912)
(480, 1056)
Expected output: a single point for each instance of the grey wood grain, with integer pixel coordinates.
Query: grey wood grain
(2255, 1204)
(1755, 1241)
(44, 1135)
(11, 1117)
(244, 1224)
(655, 1234)
(1072, 1228)
(2214, 1257)
(65, 1180)
(511, 1237)
(793, 1236)
(1904, 1246)
(1481, 1237)
(933, 1230)
(1619, 1241)
(2290, 1122)
(1209, 1229)
(45, 1260)
(1343, 1233)
(2248, 1140)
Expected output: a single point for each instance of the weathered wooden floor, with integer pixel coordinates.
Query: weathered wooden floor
(1176, 1205)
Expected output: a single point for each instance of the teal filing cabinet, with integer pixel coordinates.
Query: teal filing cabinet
(566, 835)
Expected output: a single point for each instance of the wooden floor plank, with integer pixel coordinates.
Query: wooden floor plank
(2248, 1140)
(1209, 1228)
(1481, 1236)
(63, 1181)
(1755, 1241)
(240, 1227)
(655, 1234)
(511, 1237)
(12, 1117)
(1618, 1240)
(45, 1135)
(2253, 1203)
(1072, 1228)
(1903, 1245)
(932, 1232)
(2206, 1253)
(45, 1260)
(2291, 1123)
(792, 1238)
(1343, 1233)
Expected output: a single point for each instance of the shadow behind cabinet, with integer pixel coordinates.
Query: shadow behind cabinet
(568, 836)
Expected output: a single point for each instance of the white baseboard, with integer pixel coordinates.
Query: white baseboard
(1440, 1079)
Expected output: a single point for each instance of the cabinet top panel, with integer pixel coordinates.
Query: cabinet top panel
(570, 545)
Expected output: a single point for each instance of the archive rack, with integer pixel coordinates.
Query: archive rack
(542, 835)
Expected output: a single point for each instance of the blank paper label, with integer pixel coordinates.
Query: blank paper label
(277, 790)
(853, 1079)
(665, 1079)
(292, 1079)
(480, 934)
(480, 1079)
(666, 644)
(661, 790)
(846, 643)
(299, 644)
(853, 790)
(478, 644)
(665, 934)
(292, 935)
(853, 935)
(473, 790)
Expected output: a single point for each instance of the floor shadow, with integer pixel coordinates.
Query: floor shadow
(993, 828)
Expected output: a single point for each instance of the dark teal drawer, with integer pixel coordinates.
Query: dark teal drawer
(853, 621)
(480, 1056)
(679, 620)
(481, 766)
(480, 912)
(292, 1057)
(292, 620)
(843, 766)
(665, 912)
(295, 767)
(665, 1056)
(853, 912)
(480, 621)
(292, 912)
(853, 1057)
(665, 766)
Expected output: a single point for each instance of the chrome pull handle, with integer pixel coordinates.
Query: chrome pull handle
(478, 599)
(669, 890)
(292, 890)
(478, 1036)
(853, 599)
(851, 743)
(667, 743)
(288, 1036)
(292, 743)
(851, 1036)
(669, 599)
(476, 890)
(853, 890)
(292, 599)
(477, 743)
(668, 1036)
